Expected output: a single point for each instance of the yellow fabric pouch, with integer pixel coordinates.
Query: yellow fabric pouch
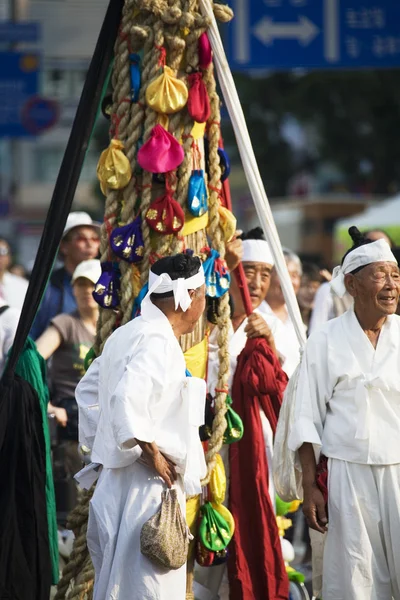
(167, 94)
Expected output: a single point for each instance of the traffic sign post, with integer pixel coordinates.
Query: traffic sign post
(322, 34)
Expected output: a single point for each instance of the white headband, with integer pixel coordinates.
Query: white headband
(378, 251)
(163, 283)
(257, 251)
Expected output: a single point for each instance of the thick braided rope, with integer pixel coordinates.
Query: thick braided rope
(120, 118)
(197, 27)
(149, 123)
(83, 585)
(175, 42)
(222, 12)
(192, 61)
(183, 175)
(77, 522)
(217, 240)
(134, 131)
(175, 45)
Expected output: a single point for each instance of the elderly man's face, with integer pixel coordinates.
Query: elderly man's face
(376, 288)
(196, 309)
(258, 277)
(295, 278)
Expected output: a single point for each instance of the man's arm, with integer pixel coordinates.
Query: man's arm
(87, 398)
(313, 504)
(49, 342)
(314, 389)
(164, 467)
(257, 327)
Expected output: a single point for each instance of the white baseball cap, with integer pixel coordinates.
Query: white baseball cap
(89, 269)
(79, 219)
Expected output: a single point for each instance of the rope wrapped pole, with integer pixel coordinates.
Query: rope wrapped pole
(166, 31)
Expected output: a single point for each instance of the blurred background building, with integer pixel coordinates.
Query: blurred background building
(29, 167)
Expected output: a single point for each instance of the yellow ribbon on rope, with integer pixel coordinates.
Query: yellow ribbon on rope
(196, 359)
(194, 224)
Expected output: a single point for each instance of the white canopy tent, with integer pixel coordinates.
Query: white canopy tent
(384, 215)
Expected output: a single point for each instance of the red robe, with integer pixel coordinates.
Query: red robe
(256, 567)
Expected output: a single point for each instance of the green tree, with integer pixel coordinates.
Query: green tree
(355, 116)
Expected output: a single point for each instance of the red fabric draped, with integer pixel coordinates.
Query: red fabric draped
(256, 568)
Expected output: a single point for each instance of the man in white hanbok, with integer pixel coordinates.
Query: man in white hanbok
(348, 406)
(258, 262)
(139, 416)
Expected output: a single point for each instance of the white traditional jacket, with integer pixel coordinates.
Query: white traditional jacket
(138, 389)
(348, 395)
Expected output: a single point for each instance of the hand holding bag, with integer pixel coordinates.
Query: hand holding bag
(165, 537)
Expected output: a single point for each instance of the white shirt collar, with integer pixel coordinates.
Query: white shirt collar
(150, 313)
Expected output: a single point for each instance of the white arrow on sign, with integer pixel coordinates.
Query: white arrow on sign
(266, 31)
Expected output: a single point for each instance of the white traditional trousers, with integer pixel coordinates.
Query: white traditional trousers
(362, 551)
(124, 499)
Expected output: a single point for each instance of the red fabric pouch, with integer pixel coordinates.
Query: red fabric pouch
(165, 215)
(198, 102)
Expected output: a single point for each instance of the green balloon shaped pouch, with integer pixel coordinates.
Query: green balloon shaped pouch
(214, 532)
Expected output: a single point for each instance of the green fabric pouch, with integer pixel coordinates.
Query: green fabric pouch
(214, 531)
(234, 429)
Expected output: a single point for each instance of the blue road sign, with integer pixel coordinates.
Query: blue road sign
(39, 114)
(18, 86)
(288, 34)
(11, 32)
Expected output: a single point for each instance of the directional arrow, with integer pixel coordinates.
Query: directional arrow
(304, 31)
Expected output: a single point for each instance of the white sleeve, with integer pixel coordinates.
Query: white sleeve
(323, 307)
(314, 391)
(87, 398)
(133, 402)
(11, 318)
(280, 338)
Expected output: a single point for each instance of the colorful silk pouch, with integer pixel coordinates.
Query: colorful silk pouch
(165, 215)
(127, 241)
(197, 194)
(161, 153)
(106, 290)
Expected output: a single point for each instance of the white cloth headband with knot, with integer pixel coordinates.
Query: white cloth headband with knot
(257, 251)
(378, 251)
(180, 287)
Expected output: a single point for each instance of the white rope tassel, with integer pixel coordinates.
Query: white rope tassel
(250, 167)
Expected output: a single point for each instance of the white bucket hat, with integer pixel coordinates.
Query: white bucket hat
(79, 219)
(89, 269)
